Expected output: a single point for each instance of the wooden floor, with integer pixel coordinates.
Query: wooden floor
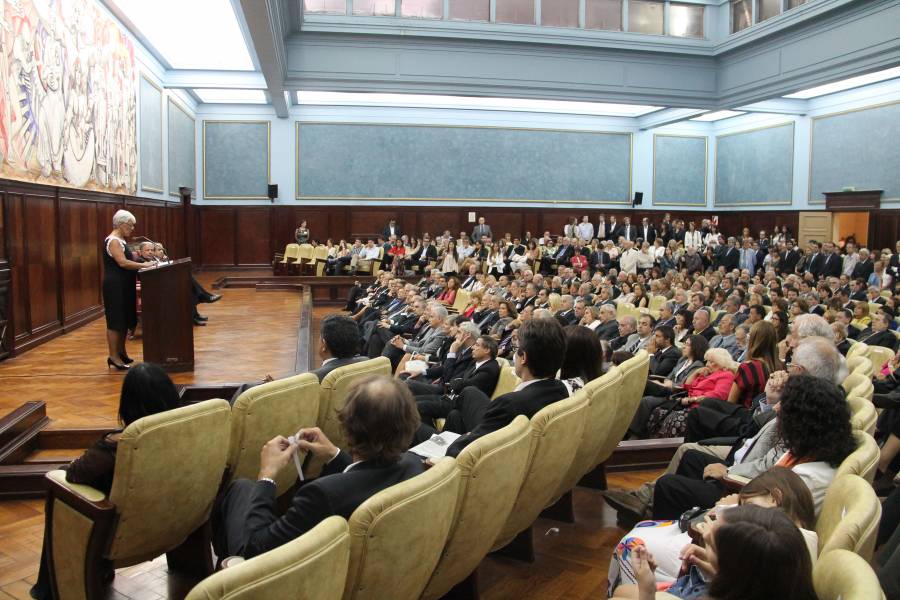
(250, 334)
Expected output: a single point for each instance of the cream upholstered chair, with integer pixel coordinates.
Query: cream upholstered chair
(656, 302)
(634, 377)
(860, 365)
(319, 260)
(492, 469)
(863, 415)
(507, 381)
(397, 535)
(556, 433)
(603, 394)
(332, 395)
(858, 385)
(864, 460)
(879, 355)
(858, 349)
(168, 469)
(461, 301)
(291, 255)
(843, 575)
(312, 566)
(280, 407)
(849, 517)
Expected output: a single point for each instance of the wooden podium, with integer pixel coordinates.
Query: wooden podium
(167, 319)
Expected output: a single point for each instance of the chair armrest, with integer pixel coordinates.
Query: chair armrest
(735, 483)
(86, 493)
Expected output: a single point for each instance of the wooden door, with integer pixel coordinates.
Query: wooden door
(814, 226)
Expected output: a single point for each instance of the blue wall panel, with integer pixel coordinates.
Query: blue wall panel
(679, 170)
(182, 149)
(859, 149)
(459, 163)
(151, 137)
(235, 159)
(755, 167)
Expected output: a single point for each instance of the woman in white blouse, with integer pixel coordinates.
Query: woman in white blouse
(692, 237)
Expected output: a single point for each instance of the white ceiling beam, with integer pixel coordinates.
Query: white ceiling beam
(779, 106)
(265, 22)
(241, 80)
(667, 116)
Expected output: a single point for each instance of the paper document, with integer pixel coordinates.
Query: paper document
(436, 446)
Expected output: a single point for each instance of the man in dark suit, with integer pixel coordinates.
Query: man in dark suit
(893, 266)
(426, 254)
(542, 347)
(379, 419)
(481, 374)
(864, 267)
(789, 258)
(878, 333)
(702, 326)
(609, 327)
(566, 313)
(732, 258)
(646, 231)
(665, 355)
(612, 230)
(405, 322)
(391, 229)
(627, 230)
(832, 264)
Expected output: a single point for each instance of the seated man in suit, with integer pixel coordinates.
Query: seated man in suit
(378, 419)
(481, 373)
(701, 324)
(338, 346)
(542, 348)
(609, 327)
(427, 341)
(407, 320)
(664, 355)
(879, 333)
(726, 338)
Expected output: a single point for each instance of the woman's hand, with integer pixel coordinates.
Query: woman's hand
(702, 558)
(688, 401)
(643, 564)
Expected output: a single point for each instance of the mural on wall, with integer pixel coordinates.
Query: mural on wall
(67, 96)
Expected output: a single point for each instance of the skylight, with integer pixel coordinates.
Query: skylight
(192, 34)
(846, 84)
(474, 103)
(718, 115)
(216, 96)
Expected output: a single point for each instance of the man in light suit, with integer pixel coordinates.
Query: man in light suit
(379, 419)
(427, 341)
(481, 230)
(725, 338)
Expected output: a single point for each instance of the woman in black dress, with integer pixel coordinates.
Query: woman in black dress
(119, 295)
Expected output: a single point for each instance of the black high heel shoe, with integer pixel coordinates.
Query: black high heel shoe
(126, 359)
(110, 363)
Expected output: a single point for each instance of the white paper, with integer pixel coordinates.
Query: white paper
(436, 446)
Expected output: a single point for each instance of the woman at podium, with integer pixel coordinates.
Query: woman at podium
(119, 295)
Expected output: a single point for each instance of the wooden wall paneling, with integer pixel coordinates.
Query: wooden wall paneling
(367, 221)
(337, 221)
(175, 243)
(41, 262)
(21, 318)
(253, 233)
(436, 222)
(217, 236)
(80, 240)
(317, 220)
(6, 326)
(884, 229)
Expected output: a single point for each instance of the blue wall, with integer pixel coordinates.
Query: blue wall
(755, 167)
(151, 142)
(860, 148)
(462, 163)
(679, 170)
(182, 149)
(235, 159)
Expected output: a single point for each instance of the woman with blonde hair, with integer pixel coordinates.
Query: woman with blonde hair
(119, 289)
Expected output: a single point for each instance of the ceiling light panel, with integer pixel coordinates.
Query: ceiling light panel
(846, 84)
(191, 34)
(474, 103)
(216, 96)
(718, 115)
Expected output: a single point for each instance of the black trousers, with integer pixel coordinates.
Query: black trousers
(378, 339)
(645, 408)
(715, 418)
(229, 518)
(674, 494)
(422, 388)
(471, 406)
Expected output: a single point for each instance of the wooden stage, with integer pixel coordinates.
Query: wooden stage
(253, 331)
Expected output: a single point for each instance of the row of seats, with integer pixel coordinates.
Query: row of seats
(444, 514)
